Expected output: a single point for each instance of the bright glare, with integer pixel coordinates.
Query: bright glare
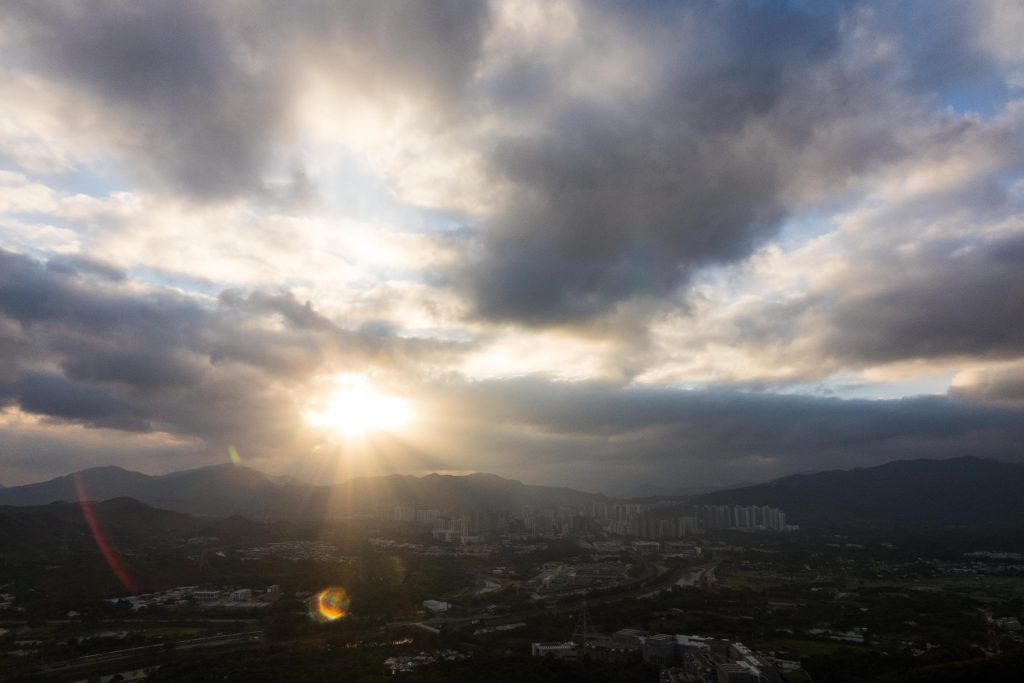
(356, 407)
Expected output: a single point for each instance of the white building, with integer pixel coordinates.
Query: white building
(205, 596)
(436, 605)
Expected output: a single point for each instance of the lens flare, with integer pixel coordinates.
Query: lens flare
(112, 558)
(330, 604)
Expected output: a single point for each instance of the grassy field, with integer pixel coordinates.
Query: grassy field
(989, 588)
(984, 589)
(754, 580)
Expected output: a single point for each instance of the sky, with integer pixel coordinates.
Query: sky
(607, 245)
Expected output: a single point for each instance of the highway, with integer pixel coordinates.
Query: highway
(127, 655)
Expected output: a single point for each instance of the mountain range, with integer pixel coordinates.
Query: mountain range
(905, 493)
(233, 489)
(960, 491)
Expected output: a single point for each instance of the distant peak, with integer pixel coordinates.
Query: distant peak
(123, 502)
(103, 472)
(225, 467)
(105, 468)
(488, 475)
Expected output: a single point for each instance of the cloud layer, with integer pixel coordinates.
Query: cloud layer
(678, 240)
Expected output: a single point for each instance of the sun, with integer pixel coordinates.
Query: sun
(355, 407)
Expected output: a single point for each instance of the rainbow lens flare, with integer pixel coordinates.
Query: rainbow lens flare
(330, 604)
(108, 552)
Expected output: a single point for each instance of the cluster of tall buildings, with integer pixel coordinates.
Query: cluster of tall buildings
(651, 527)
(741, 517)
(650, 522)
(408, 515)
(452, 528)
(664, 521)
(444, 524)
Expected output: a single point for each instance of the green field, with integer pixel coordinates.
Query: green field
(755, 580)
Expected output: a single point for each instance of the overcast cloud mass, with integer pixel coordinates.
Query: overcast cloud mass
(595, 244)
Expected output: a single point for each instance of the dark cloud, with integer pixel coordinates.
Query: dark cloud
(191, 107)
(598, 432)
(1000, 384)
(948, 301)
(942, 299)
(611, 204)
(144, 368)
(944, 43)
(56, 396)
(748, 108)
(745, 418)
(34, 295)
(609, 214)
(74, 265)
(392, 51)
(284, 304)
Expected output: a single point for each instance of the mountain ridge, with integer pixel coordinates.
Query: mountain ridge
(966, 490)
(224, 490)
(957, 491)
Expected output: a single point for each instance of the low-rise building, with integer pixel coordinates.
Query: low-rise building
(437, 606)
(738, 672)
(568, 650)
(660, 649)
(205, 596)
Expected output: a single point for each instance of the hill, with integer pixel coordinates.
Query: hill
(910, 493)
(52, 551)
(226, 490)
(215, 491)
(905, 493)
(40, 532)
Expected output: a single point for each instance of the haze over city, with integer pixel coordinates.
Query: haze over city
(606, 245)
